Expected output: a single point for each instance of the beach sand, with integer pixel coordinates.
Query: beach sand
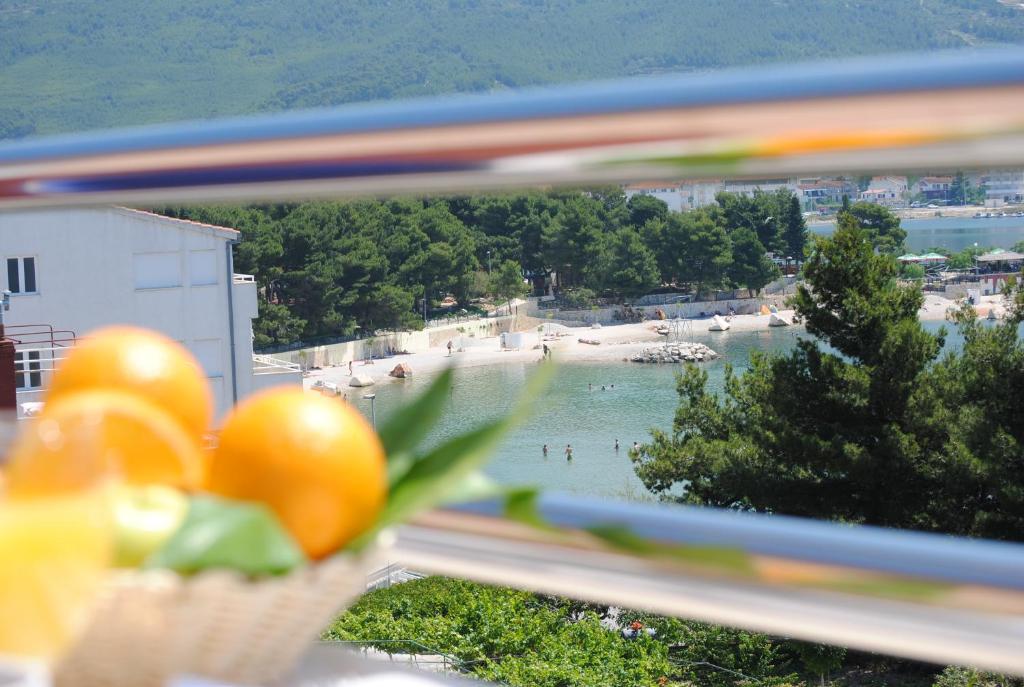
(616, 342)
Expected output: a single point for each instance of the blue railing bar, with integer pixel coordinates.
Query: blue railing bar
(849, 77)
(912, 554)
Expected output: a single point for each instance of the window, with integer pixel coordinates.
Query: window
(202, 267)
(21, 275)
(157, 270)
(27, 374)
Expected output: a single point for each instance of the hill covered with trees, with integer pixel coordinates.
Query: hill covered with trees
(67, 66)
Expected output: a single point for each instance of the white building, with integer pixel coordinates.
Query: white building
(73, 270)
(662, 190)
(697, 193)
(1004, 186)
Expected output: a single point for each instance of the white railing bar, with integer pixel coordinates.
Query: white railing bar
(921, 596)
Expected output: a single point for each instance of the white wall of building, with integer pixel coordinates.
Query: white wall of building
(100, 266)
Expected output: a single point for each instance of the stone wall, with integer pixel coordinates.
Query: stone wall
(411, 342)
(742, 306)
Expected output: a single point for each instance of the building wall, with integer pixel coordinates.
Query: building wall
(101, 266)
(671, 196)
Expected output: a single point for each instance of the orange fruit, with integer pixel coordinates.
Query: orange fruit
(145, 363)
(315, 461)
(81, 438)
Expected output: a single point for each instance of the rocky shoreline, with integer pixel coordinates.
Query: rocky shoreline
(686, 352)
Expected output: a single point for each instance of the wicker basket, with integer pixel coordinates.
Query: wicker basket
(148, 627)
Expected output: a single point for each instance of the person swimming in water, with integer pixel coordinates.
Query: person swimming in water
(616, 444)
(545, 449)
(568, 451)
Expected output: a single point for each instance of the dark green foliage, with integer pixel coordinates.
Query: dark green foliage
(505, 635)
(880, 224)
(959, 676)
(961, 192)
(631, 267)
(351, 268)
(507, 282)
(875, 428)
(67, 66)
(750, 266)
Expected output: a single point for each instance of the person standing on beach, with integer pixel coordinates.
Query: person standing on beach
(568, 451)
(547, 351)
(449, 348)
(350, 368)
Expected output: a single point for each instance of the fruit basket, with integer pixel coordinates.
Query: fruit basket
(154, 625)
(133, 549)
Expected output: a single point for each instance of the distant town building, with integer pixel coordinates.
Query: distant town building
(814, 192)
(890, 191)
(72, 270)
(1004, 186)
(934, 188)
(748, 187)
(696, 193)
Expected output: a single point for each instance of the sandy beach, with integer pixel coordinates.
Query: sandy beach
(615, 342)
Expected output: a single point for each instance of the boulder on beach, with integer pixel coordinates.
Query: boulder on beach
(776, 320)
(675, 353)
(718, 324)
(592, 342)
(401, 371)
(361, 380)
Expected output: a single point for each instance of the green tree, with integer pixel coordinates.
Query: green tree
(794, 228)
(882, 226)
(962, 192)
(751, 268)
(813, 432)
(574, 242)
(507, 282)
(631, 268)
(644, 208)
(700, 249)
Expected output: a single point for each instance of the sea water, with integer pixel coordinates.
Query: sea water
(625, 402)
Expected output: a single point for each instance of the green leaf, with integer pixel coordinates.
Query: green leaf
(407, 427)
(435, 477)
(218, 533)
(713, 557)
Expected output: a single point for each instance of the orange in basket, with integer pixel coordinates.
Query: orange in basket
(314, 460)
(144, 363)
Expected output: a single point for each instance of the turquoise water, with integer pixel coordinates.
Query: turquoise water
(955, 233)
(644, 397)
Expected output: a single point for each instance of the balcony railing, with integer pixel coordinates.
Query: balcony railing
(921, 596)
(268, 365)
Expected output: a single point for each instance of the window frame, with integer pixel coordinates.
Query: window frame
(19, 263)
(28, 372)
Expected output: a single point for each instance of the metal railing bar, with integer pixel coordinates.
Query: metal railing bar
(933, 111)
(950, 608)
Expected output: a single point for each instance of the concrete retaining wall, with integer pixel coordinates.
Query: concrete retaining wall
(411, 342)
(742, 306)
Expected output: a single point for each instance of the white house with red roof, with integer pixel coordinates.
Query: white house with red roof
(71, 271)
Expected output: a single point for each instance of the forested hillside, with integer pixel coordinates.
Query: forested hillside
(72, 65)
